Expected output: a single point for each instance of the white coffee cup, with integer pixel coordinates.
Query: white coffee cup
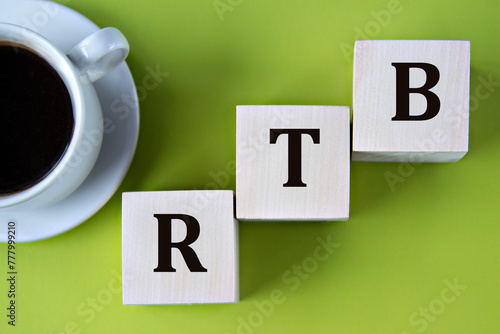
(88, 61)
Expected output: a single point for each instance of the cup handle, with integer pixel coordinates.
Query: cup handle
(99, 53)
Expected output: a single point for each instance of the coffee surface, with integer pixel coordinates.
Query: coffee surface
(36, 118)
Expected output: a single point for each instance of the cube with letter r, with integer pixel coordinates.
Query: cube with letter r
(179, 247)
(411, 100)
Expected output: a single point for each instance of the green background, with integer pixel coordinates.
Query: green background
(397, 253)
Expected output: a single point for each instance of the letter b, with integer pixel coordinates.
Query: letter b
(403, 91)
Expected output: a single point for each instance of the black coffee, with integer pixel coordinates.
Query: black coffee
(36, 118)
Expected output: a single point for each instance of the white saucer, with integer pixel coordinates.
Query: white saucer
(65, 28)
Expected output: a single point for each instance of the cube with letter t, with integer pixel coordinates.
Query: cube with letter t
(292, 163)
(179, 247)
(411, 100)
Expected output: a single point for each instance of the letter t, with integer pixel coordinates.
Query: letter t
(295, 152)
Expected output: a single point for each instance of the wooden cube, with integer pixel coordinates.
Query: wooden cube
(292, 163)
(179, 247)
(411, 101)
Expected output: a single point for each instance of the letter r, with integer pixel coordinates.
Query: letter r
(165, 243)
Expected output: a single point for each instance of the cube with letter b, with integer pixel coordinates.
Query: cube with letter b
(292, 163)
(411, 100)
(179, 247)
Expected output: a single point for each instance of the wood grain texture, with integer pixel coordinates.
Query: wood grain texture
(262, 167)
(443, 138)
(216, 248)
